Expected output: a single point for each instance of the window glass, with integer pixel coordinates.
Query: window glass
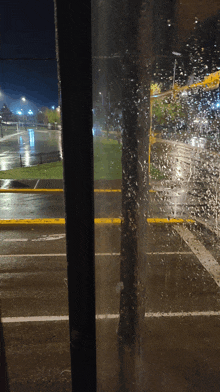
(156, 124)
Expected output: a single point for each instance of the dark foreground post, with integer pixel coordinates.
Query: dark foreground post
(73, 29)
(135, 188)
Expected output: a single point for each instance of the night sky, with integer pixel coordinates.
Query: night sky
(27, 31)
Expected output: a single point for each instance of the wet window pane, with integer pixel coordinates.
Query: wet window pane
(156, 124)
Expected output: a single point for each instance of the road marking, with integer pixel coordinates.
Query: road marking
(58, 221)
(28, 190)
(34, 319)
(215, 229)
(113, 221)
(34, 190)
(204, 256)
(50, 237)
(15, 240)
(106, 190)
(113, 190)
(36, 184)
(118, 221)
(113, 316)
(169, 220)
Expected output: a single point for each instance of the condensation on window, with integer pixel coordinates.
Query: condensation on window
(156, 132)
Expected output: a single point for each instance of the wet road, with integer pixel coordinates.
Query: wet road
(181, 341)
(181, 330)
(181, 336)
(180, 346)
(31, 206)
(19, 145)
(34, 284)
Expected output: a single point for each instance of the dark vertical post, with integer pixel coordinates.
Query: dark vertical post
(20, 161)
(73, 31)
(135, 188)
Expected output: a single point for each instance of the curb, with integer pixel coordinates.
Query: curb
(97, 221)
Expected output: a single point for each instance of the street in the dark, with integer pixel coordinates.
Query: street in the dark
(181, 339)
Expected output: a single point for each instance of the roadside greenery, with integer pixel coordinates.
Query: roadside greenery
(165, 111)
(52, 116)
(107, 159)
(45, 171)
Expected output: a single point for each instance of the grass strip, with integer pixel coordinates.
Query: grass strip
(107, 165)
(45, 171)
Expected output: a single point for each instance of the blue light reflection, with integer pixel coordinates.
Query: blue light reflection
(31, 137)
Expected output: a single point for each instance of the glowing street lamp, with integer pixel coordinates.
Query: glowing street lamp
(23, 99)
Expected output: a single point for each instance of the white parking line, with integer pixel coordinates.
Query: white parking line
(36, 184)
(15, 240)
(108, 316)
(33, 319)
(204, 256)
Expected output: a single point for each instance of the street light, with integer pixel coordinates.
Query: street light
(23, 99)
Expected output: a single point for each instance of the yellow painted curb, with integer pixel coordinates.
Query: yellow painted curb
(113, 221)
(106, 190)
(59, 221)
(113, 190)
(117, 221)
(167, 220)
(100, 221)
(26, 190)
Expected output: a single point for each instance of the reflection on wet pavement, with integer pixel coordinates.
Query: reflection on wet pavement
(24, 148)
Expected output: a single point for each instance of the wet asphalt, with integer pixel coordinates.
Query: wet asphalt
(23, 147)
(180, 336)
